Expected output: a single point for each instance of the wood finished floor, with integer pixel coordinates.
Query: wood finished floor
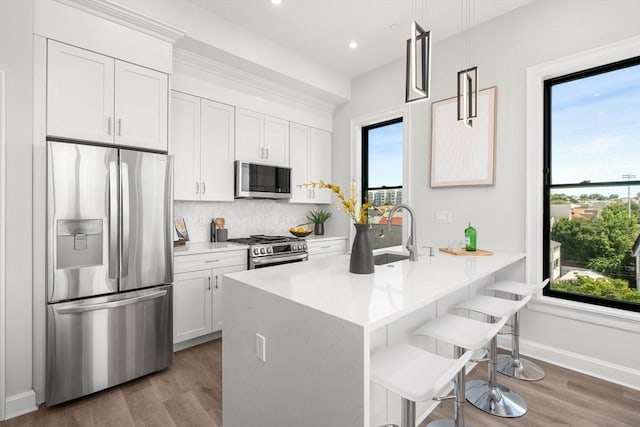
(190, 394)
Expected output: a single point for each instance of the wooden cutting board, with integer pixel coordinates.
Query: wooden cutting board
(463, 252)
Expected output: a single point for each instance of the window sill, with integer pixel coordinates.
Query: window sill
(588, 313)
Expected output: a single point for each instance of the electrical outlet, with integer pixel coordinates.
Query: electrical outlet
(261, 347)
(444, 217)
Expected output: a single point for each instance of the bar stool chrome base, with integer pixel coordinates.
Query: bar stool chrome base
(443, 423)
(520, 369)
(497, 400)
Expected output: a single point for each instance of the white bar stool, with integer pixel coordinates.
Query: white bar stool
(414, 374)
(488, 395)
(512, 364)
(465, 334)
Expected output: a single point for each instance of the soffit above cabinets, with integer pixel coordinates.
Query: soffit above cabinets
(304, 44)
(322, 30)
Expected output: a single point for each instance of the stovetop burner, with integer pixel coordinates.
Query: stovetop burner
(259, 239)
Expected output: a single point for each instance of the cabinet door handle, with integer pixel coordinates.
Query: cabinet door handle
(204, 187)
(119, 127)
(325, 247)
(197, 187)
(217, 278)
(209, 287)
(267, 150)
(262, 153)
(212, 260)
(313, 193)
(109, 125)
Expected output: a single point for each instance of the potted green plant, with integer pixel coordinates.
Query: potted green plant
(318, 217)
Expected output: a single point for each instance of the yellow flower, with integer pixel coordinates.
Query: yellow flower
(346, 205)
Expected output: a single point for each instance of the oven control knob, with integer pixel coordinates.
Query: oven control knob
(304, 246)
(294, 247)
(269, 250)
(263, 251)
(256, 251)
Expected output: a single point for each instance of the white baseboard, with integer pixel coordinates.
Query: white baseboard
(20, 404)
(618, 374)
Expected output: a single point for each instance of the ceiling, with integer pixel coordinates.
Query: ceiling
(322, 29)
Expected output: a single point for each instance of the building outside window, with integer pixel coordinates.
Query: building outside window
(592, 185)
(382, 180)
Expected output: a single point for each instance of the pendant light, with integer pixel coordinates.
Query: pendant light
(468, 76)
(417, 83)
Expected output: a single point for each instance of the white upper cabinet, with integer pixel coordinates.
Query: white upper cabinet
(276, 141)
(216, 151)
(202, 135)
(141, 100)
(320, 163)
(185, 146)
(261, 139)
(299, 149)
(249, 136)
(97, 98)
(310, 161)
(80, 86)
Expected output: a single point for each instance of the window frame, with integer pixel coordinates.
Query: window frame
(364, 161)
(548, 186)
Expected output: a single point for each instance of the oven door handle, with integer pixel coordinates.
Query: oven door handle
(272, 259)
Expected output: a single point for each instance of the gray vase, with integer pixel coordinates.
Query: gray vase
(318, 229)
(361, 251)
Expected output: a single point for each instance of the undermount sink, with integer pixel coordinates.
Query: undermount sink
(386, 258)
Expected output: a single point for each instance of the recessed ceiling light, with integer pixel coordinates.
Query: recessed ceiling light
(353, 44)
(276, 1)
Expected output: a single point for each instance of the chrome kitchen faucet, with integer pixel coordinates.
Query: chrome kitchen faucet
(411, 242)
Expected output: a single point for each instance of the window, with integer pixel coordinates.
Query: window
(592, 185)
(382, 180)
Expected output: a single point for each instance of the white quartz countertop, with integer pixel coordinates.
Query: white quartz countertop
(193, 248)
(373, 300)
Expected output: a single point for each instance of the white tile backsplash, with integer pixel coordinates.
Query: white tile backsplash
(243, 217)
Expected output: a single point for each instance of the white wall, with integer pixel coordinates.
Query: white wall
(16, 38)
(504, 49)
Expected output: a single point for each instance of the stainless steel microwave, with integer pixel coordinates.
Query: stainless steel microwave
(254, 180)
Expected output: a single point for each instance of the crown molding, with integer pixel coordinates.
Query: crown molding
(119, 14)
(249, 81)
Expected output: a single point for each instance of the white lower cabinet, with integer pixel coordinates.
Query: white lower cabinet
(192, 305)
(197, 293)
(327, 246)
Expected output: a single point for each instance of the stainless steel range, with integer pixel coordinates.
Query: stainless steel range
(267, 251)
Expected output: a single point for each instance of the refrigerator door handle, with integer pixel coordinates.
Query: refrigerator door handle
(113, 220)
(112, 304)
(124, 171)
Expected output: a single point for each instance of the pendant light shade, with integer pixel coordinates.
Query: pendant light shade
(418, 64)
(468, 95)
(468, 77)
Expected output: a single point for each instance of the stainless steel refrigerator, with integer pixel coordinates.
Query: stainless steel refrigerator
(109, 267)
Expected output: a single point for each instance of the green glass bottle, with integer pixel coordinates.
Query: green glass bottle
(470, 238)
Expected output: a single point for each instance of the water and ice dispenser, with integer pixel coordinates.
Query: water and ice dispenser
(79, 243)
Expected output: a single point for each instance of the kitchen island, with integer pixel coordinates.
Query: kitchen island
(297, 337)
